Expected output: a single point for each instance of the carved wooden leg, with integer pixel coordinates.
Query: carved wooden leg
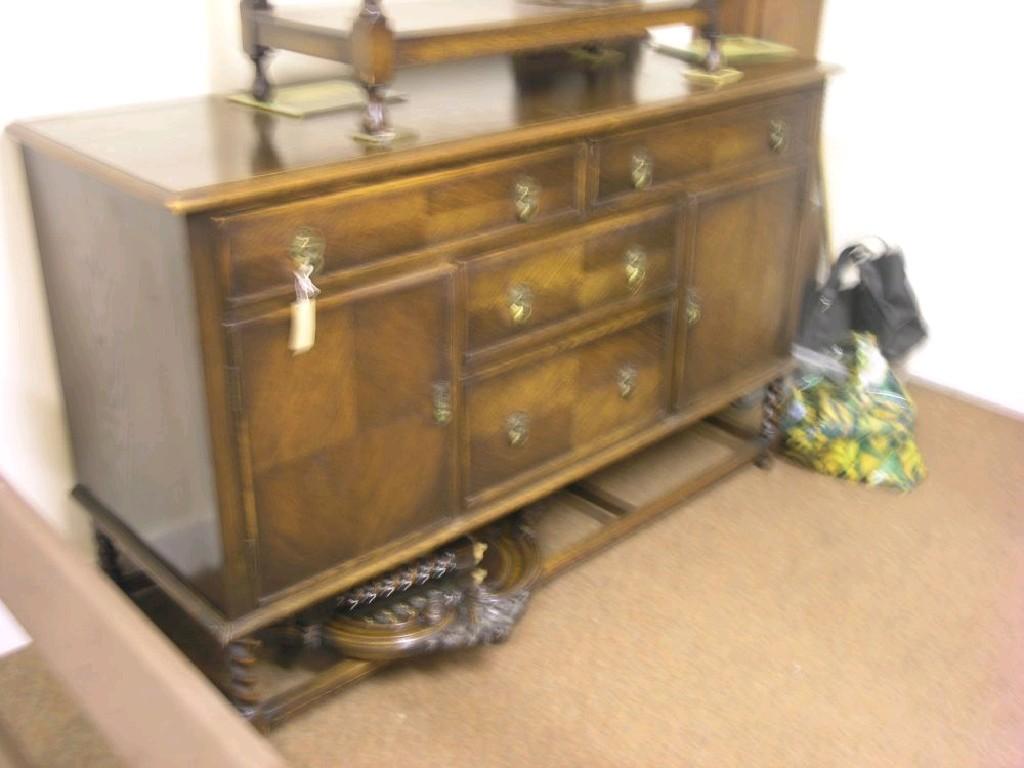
(260, 83)
(770, 422)
(251, 45)
(108, 557)
(713, 61)
(373, 54)
(376, 125)
(290, 638)
(242, 679)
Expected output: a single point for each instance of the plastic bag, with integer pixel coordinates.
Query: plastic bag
(858, 425)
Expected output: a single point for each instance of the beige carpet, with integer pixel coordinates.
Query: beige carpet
(782, 619)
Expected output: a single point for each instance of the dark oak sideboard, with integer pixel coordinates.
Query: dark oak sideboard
(554, 273)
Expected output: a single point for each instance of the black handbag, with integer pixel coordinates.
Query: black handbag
(881, 303)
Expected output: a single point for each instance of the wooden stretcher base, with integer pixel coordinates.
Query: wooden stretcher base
(280, 670)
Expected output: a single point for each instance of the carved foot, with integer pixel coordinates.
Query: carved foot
(108, 557)
(376, 127)
(713, 62)
(773, 394)
(242, 679)
(260, 83)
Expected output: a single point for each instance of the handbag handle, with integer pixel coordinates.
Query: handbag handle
(830, 290)
(851, 255)
(872, 247)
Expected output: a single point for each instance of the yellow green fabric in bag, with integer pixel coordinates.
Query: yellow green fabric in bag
(860, 429)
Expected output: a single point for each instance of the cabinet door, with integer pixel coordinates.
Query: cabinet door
(350, 445)
(738, 299)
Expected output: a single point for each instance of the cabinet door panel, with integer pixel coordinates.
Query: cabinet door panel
(744, 247)
(344, 448)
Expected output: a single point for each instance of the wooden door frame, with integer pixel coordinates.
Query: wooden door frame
(151, 705)
(792, 22)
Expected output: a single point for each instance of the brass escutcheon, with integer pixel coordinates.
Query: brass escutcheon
(520, 304)
(636, 268)
(626, 379)
(693, 309)
(526, 196)
(777, 135)
(641, 168)
(443, 402)
(517, 428)
(307, 249)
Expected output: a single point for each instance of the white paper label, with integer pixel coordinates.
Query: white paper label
(303, 326)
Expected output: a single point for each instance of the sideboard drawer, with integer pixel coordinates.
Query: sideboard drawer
(520, 419)
(623, 381)
(361, 225)
(648, 158)
(613, 260)
(567, 404)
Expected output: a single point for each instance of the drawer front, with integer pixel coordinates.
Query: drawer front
(623, 381)
(567, 405)
(523, 289)
(520, 419)
(647, 159)
(359, 226)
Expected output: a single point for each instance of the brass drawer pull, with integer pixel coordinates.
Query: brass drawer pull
(693, 308)
(777, 135)
(520, 304)
(526, 195)
(641, 169)
(443, 402)
(626, 379)
(636, 268)
(307, 250)
(517, 428)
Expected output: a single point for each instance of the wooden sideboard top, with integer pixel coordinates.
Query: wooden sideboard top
(209, 153)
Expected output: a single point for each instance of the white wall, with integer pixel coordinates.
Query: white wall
(148, 52)
(93, 55)
(100, 54)
(918, 150)
(924, 134)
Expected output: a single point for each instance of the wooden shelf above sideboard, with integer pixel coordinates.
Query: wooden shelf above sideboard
(375, 40)
(442, 30)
